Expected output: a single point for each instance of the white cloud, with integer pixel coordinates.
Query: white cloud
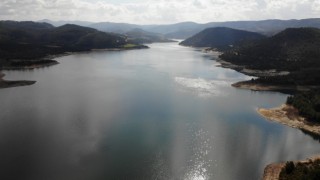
(158, 11)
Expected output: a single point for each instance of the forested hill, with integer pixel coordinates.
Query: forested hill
(140, 36)
(220, 37)
(68, 37)
(30, 25)
(31, 40)
(293, 49)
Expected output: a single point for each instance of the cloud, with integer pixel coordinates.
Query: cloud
(158, 11)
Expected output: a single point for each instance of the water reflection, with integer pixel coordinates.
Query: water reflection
(202, 87)
(138, 115)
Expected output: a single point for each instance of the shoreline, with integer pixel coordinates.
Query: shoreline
(254, 86)
(250, 72)
(289, 116)
(272, 171)
(45, 62)
(17, 83)
(138, 47)
(31, 66)
(9, 84)
(288, 89)
(264, 87)
(285, 114)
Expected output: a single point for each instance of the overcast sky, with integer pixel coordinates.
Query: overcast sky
(158, 11)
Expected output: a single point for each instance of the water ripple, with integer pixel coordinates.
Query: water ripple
(202, 87)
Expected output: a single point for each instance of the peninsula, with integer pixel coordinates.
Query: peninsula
(8, 84)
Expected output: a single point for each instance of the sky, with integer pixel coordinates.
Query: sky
(158, 11)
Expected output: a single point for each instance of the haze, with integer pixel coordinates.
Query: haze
(158, 11)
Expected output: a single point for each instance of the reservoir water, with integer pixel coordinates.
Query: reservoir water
(161, 113)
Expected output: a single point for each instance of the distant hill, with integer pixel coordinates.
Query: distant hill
(220, 38)
(120, 28)
(61, 23)
(68, 37)
(24, 25)
(182, 34)
(32, 41)
(140, 36)
(265, 27)
(185, 30)
(171, 28)
(292, 49)
(268, 27)
(81, 38)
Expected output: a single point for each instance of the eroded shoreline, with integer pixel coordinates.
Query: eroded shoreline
(285, 114)
(288, 115)
(272, 171)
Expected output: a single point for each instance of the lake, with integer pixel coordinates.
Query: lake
(167, 112)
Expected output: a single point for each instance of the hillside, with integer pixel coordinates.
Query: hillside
(293, 49)
(140, 36)
(268, 27)
(70, 37)
(30, 42)
(185, 30)
(114, 27)
(220, 38)
(25, 25)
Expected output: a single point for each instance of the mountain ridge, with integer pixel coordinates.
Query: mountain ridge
(220, 38)
(185, 30)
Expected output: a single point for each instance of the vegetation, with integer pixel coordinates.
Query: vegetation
(289, 167)
(296, 50)
(301, 171)
(139, 36)
(134, 46)
(185, 30)
(31, 41)
(305, 77)
(221, 38)
(293, 49)
(129, 45)
(308, 104)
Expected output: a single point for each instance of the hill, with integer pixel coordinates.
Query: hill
(268, 27)
(220, 38)
(114, 27)
(293, 49)
(27, 43)
(61, 23)
(140, 36)
(185, 30)
(25, 25)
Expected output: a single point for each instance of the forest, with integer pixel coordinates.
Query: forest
(29, 43)
(308, 104)
(301, 171)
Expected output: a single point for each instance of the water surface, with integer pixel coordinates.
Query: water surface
(161, 113)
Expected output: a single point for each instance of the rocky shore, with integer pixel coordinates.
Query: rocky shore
(272, 171)
(288, 115)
